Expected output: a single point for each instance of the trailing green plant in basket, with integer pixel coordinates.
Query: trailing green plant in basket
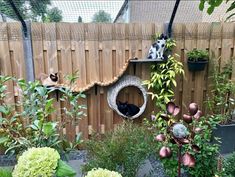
(198, 55)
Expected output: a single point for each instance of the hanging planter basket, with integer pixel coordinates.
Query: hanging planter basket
(196, 66)
(126, 81)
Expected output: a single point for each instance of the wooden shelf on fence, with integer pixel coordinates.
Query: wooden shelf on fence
(144, 60)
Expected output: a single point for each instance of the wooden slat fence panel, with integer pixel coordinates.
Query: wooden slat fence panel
(101, 52)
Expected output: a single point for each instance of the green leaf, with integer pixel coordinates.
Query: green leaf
(5, 110)
(233, 14)
(202, 5)
(210, 10)
(218, 2)
(174, 83)
(49, 128)
(64, 170)
(231, 7)
(41, 90)
(3, 139)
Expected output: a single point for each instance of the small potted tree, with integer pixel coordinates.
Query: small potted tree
(197, 59)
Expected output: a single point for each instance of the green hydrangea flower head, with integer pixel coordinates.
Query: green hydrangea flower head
(102, 173)
(37, 162)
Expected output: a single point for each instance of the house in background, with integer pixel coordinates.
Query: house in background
(159, 11)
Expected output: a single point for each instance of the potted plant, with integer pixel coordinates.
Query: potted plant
(197, 59)
(221, 106)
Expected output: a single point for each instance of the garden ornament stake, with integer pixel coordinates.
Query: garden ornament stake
(180, 132)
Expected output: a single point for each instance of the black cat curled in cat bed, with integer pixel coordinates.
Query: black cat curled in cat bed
(127, 109)
(113, 91)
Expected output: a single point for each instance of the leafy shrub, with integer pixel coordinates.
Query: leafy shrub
(198, 55)
(221, 101)
(163, 80)
(102, 173)
(44, 161)
(37, 162)
(5, 172)
(200, 136)
(228, 165)
(122, 150)
(37, 107)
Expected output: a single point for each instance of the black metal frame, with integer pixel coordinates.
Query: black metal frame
(169, 30)
(24, 26)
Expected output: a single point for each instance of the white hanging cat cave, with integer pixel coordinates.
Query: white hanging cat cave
(126, 81)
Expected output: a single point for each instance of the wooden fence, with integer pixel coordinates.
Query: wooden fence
(101, 52)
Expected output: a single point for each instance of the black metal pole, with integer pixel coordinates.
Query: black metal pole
(179, 159)
(19, 17)
(172, 18)
(27, 43)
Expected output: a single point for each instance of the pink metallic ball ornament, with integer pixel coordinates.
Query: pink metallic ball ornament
(193, 108)
(187, 118)
(160, 138)
(188, 160)
(198, 115)
(165, 152)
(170, 107)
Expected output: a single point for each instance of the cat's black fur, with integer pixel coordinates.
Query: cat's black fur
(128, 110)
(54, 77)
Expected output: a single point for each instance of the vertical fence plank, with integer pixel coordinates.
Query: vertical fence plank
(65, 67)
(203, 36)
(16, 49)
(108, 65)
(178, 31)
(92, 59)
(215, 53)
(51, 63)
(5, 62)
(78, 48)
(227, 43)
(147, 32)
(37, 46)
(188, 84)
(50, 48)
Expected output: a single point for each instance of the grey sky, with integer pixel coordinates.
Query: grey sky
(86, 8)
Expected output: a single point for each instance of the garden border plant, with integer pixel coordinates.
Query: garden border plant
(160, 85)
(221, 104)
(163, 77)
(36, 107)
(122, 150)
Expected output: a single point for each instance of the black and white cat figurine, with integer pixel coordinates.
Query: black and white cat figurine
(128, 110)
(158, 47)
